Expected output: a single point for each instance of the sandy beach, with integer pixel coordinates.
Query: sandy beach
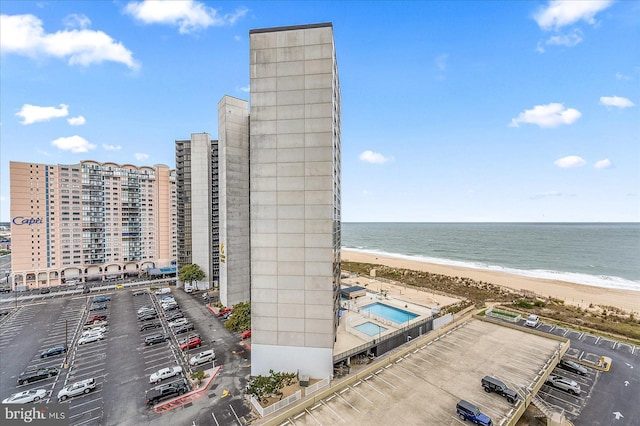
(576, 294)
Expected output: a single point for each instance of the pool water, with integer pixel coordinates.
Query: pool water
(389, 312)
(370, 328)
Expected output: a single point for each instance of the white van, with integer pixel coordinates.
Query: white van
(188, 288)
(165, 290)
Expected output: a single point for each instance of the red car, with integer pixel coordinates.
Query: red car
(193, 342)
(96, 318)
(246, 334)
(224, 311)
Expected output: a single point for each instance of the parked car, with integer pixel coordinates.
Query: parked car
(468, 411)
(532, 321)
(183, 328)
(205, 296)
(101, 299)
(45, 290)
(174, 316)
(576, 368)
(564, 384)
(156, 338)
(224, 311)
(165, 298)
(150, 325)
(90, 338)
(170, 307)
(178, 322)
(77, 388)
(94, 330)
(36, 374)
(95, 324)
(95, 318)
(98, 307)
(25, 397)
(157, 394)
(146, 309)
(139, 292)
(491, 384)
(147, 317)
(56, 350)
(190, 343)
(165, 373)
(202, 357)
(165, 290)
(245, 334)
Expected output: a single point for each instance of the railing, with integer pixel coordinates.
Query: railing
(318, 386)
(503, 315)
(275, 407)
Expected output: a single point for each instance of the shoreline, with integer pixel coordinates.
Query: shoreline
(575, 294)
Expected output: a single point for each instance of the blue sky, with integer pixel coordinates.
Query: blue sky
(451, 111)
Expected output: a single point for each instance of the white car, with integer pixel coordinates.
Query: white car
(77, 388)
(532, 321)
(145, 309)
(164, 373)
(178, 322)
(95, 330)
(95, 324)
(202, 357)
(25, 397)
(90, 338)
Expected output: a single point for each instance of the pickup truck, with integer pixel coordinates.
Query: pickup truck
(161, 392)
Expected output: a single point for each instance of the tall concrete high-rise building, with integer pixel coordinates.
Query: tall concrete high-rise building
(90, 221)
(294, 199)
(233, 144)
(197, 204)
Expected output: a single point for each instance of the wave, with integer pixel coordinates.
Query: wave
(572, 277)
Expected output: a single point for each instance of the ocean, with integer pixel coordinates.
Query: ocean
(598, 254)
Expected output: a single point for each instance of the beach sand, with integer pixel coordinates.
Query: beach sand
(575, 294)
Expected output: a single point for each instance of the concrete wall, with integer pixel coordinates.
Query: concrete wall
(201, 201)
(295, 198)
(233, 143)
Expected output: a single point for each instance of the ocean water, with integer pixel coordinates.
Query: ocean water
(598, 254)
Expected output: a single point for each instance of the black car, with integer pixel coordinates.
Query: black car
(36, 374)
(147, 317)
(157, 338)
(45, 290)
(171, 307)
(150, 325)
(159, 393)
(175, 316)
(184, 328)
(139, 292)
(98, 307)
(572, 366)
(101, 299)
(56, 350)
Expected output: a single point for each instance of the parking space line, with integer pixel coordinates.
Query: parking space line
(85, 412)
(330, 409)
(87, 421)
(72, 407)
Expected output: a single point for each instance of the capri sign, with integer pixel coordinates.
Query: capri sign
(21, 220)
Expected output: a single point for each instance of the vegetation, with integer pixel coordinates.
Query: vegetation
(190, 273)
(605, 319)
(241, 318)
(264, 387)
(199, 376)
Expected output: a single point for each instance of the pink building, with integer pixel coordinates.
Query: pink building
(90, 221)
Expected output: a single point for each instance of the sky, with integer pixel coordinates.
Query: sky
(452, 111)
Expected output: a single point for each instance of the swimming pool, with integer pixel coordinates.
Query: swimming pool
(389, 312)
(370, 328)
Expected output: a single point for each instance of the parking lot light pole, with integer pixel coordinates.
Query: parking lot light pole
(66, 344)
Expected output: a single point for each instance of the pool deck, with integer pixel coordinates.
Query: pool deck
(402, 297)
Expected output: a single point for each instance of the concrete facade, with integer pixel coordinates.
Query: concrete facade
(233, 134)
(90, 221)
(197, 186)
(295, 199)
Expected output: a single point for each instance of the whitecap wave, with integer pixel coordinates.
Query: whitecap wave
(572, 277)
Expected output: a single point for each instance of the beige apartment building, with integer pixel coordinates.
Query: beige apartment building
(90, 221)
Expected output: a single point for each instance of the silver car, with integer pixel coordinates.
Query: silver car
(564, 384)
(202, 357)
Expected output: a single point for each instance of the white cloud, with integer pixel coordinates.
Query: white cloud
(245, 89)
(616, 101)
(547, 194)
(140, 156)
(540, 48)
(32, 113)
(75, 144)
(187, 15)
(570, 161)
(441, 61)
(76, 121)
(111, 147)
(603, 164)
(569, 40)
(43, 152)
(620, 76)
(374, 157)
(77, 21)
(560, 13)
(550, 115)
(24, 35)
